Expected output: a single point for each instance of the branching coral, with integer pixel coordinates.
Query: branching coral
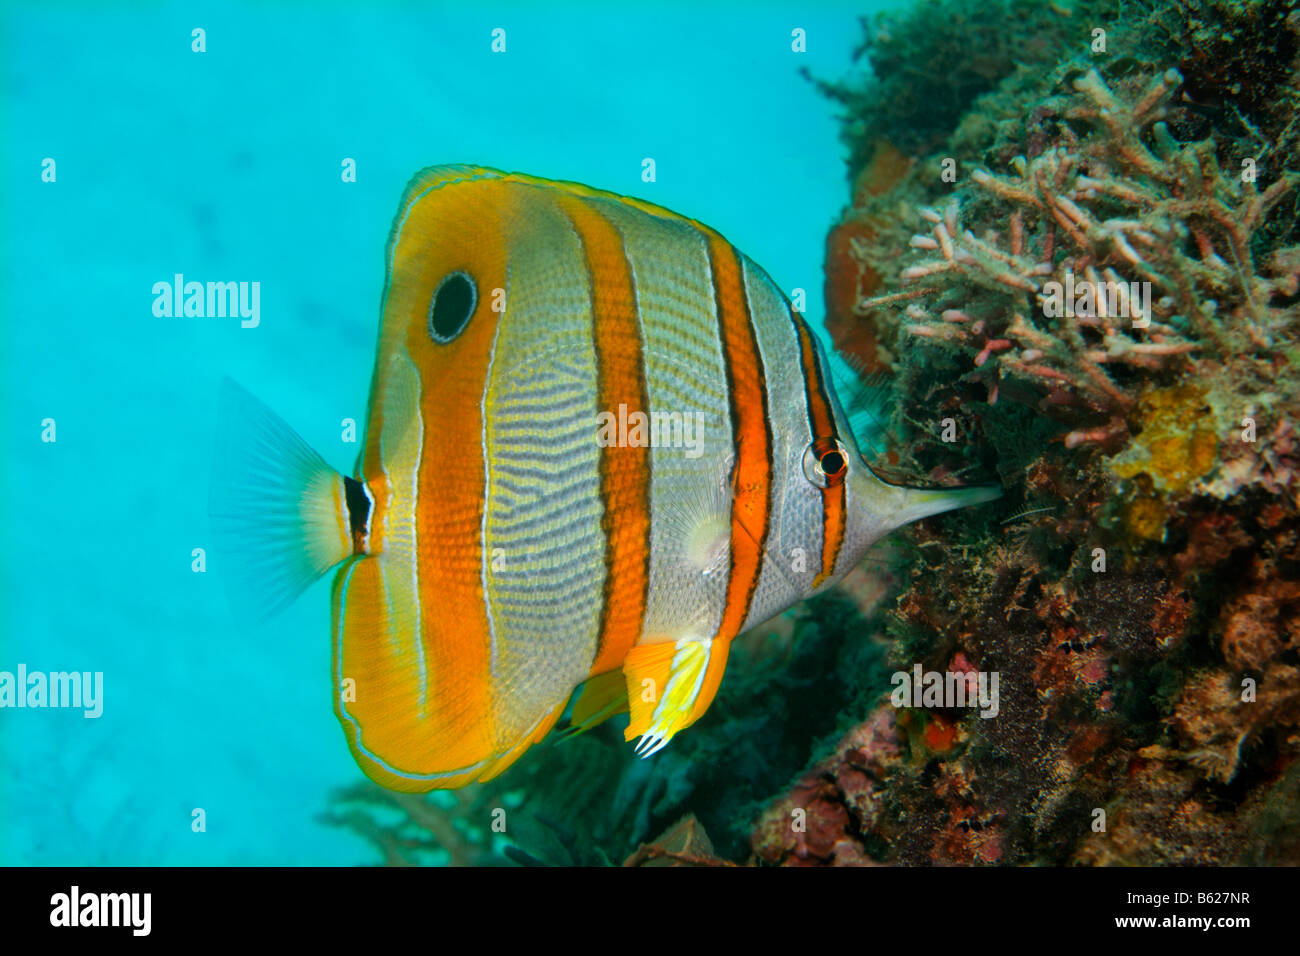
(1124, 252)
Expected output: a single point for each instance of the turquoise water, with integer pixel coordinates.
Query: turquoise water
(225, 165)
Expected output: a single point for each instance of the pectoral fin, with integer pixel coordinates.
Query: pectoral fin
(669, 686)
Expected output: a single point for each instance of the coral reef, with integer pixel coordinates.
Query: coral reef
(1126, 215)
(1101, 299)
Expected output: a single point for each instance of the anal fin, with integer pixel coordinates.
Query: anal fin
(503, 762)
(669, 686)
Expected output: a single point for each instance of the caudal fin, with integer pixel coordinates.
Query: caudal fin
(278, 511)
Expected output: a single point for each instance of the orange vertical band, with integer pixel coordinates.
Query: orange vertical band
(751, 427)
(821, 423)
(624, 470)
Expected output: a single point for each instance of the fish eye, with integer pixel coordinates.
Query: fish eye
(825, 462)
(453, 304)
(833, 464)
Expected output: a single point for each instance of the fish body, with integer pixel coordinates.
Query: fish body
(600, 445)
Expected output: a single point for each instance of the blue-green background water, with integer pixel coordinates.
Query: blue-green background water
(225, 165)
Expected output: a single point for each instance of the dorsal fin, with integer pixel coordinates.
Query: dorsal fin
(866, 398)
(439, 177)
(859, 397)
(427, 180)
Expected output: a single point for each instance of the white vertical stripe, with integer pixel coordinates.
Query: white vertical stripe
(796, 505)
(402, 445)
(485, 556)
(418, 636)
(690, 498)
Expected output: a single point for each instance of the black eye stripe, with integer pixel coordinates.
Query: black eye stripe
(452, 306)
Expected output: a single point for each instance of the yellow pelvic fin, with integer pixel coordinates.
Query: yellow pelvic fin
(670, 686)
(597, 700)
